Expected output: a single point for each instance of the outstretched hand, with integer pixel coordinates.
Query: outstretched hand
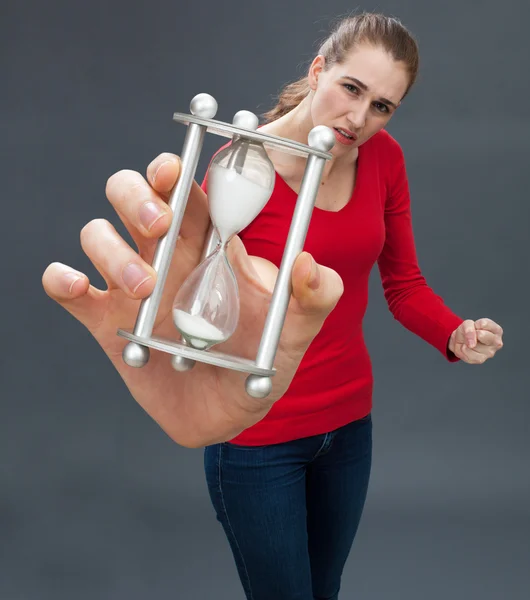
(207, 404)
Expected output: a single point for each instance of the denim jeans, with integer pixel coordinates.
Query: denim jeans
(291, 510)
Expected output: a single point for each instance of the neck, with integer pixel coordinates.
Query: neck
(297, 124)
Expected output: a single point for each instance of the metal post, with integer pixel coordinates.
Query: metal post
(205, 106)
(321, 138)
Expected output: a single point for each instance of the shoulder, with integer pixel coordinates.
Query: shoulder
(388, 161)
(385, 147)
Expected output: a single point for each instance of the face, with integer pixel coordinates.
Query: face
(359, 96)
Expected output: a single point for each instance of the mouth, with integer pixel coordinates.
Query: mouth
(345, 135)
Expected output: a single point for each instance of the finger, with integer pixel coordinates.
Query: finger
(144, 246)
(475, 357)
(489, 325)
(466, 334)
(487, 338)
(316, 289)
(260, 272)
(162, 174)
(72, 290)
(116, 260)
(138, 205)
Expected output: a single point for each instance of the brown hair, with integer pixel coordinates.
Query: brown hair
(366, 28)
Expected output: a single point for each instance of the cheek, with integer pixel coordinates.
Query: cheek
(375, 124)
(327, 103)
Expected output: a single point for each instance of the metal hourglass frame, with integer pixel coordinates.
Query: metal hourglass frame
(203, 108)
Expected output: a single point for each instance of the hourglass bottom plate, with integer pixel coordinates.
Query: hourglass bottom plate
(211, 357)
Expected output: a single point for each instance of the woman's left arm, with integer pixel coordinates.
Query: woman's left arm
(412, 302)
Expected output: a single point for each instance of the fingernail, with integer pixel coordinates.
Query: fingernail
(314, 279)
(149, 214)
(133, 276)
(71, 277)
(167, 162)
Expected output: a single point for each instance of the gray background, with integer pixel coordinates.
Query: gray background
(95, 500)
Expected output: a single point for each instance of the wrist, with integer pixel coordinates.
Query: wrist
(451, 343)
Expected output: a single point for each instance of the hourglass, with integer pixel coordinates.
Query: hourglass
(205, 310)
(240, 182)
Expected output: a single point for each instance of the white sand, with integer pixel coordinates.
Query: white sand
(199, 331)
(234, 200)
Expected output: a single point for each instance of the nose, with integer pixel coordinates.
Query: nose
(357, 117)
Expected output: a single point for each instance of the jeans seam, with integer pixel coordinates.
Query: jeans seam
(228, 521)
(322, 446)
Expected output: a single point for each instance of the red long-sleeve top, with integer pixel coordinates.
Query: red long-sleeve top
(333, 384)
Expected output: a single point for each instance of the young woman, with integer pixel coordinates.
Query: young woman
(287, 475)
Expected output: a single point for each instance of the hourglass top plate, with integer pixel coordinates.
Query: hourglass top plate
(269, 141)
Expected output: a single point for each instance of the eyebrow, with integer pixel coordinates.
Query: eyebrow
(365, 88)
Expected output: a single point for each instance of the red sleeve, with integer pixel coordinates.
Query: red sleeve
(204, 184)
(412, 302)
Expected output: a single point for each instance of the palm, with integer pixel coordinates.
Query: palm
(207, 403)
(207, 392)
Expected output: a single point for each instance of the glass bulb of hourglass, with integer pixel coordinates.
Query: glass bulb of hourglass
(204, 311)
(240, 182)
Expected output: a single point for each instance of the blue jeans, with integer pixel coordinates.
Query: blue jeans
(291, 510)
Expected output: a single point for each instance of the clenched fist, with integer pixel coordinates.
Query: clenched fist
(476, 341)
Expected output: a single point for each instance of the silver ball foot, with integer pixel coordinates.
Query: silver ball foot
(203, 105)
(135, 355)
(181, 364)
(321, 138)
(258, 386)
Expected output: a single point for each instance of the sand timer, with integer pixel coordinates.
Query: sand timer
(240, 181)
(205, 309)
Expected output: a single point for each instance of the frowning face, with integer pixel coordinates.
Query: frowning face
(358, 97)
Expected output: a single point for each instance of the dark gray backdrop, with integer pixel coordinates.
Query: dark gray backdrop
(95, 501)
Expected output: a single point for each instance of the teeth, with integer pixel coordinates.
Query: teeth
(345, 134)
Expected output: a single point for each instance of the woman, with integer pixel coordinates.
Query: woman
(288, 474)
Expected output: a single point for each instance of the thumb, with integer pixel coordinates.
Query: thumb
(466, 334)
(316, 291)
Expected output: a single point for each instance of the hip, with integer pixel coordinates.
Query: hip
(349, 443)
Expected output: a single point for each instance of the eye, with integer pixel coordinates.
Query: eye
(381, 107)
(351, 88)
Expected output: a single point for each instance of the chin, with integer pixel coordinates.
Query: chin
(339, 150)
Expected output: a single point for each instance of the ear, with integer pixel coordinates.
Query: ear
(315, 69)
